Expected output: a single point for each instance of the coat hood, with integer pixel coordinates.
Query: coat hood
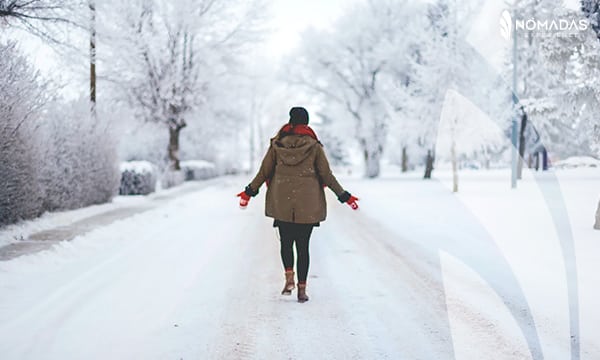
(293, 149)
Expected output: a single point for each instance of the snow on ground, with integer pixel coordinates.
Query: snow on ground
(577, 162)
(417, 273)
(22, 230)
(48, 221)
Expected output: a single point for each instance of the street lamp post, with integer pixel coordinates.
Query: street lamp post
(515, 102)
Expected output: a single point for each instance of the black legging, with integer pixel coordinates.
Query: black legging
(299, 233)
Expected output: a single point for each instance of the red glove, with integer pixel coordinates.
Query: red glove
(352, 202)
(244, 199)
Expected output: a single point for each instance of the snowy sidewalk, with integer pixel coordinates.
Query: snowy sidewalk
(45, 239)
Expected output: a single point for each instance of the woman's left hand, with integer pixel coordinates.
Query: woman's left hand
(352, 202)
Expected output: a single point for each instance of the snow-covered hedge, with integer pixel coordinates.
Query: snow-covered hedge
(79, 161)
(52, 154)
(21, 96)
(577, 162)
(137, 178)
(198, 170)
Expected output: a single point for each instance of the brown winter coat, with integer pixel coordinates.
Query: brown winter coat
(296, 168)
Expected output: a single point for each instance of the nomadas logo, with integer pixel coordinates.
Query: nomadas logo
(562, 26)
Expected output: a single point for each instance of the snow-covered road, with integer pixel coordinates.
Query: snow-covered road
(197, 278)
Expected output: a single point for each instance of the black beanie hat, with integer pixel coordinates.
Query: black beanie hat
(298, 116)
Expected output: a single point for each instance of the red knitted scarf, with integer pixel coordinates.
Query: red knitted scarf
(288, 129)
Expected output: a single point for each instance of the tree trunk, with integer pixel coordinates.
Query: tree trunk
(372, 162)
(521, 146)
(252, 142)
(404, 160)
(174, 148)
(92, 5)
(454, 166)
(597, 224)
(544, 160)
(429, 165)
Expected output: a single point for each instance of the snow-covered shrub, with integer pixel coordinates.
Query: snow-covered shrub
(137, 178)
(53, 155)
(79, 164)
(577, 162)
(171, 179)
(198, 170)
(21, 96)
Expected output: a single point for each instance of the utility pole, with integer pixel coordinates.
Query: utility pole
(523, 116)
(92, 5)
(514, 130)
(252, 135)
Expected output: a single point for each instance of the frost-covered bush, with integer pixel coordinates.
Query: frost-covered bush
(21, 96)
(577, 162)
(171, 178)
(198, 170)
(79, 164)
(53, 155)
(137, 178)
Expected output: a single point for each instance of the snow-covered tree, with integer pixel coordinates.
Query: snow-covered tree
(388, 66)
(402, 45)
(436, 65)
(558, 77)
(39, 17)
(347, 68)
(444, 64)
(27, 12)
(168, 56)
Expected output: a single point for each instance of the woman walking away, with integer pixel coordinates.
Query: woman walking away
(296, 170)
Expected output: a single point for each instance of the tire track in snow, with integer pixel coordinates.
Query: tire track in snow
(420, 273)
(60, 302)
(252, 317)
(64, 303)
(378, 290)
(259, 323)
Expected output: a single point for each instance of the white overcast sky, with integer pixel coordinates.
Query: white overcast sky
(290, 17)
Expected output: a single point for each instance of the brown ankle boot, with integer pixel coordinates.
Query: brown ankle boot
(302, 297)
(289, 283)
